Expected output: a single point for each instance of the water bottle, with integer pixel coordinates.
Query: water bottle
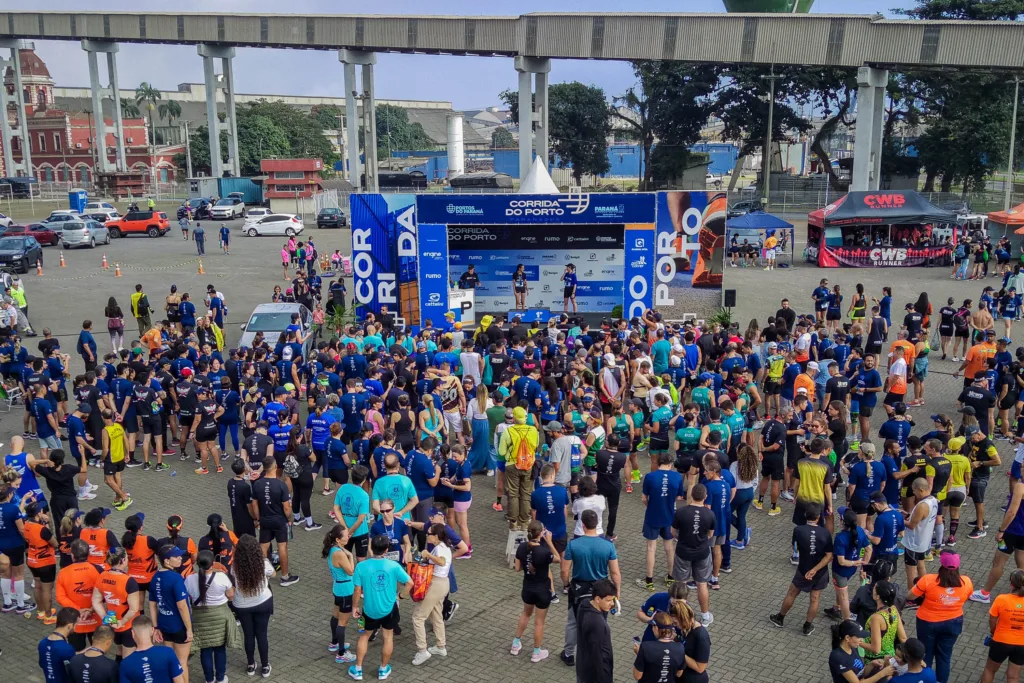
(1002, 545)
(110, 619)
(987, 641)
(174, 473)
(361, 623)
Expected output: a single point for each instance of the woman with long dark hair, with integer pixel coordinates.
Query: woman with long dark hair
(834, 310)
(298, 465)
(213, 624)
(924, 307)
(744, 471)
(141, 550)
(218, 540)
(940, 618)
(858, 305)
(115, 324)
(342, 564)
(534, 559)
(175, 523)
(885, 625)
(1004, 627)
(845, 663)
(253, 601)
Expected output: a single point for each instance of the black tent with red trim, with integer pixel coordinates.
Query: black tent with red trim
(880, 207)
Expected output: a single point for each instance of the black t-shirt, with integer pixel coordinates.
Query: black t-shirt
(980, 399)
(391, 399)
(469, 280)
(788, 315)
(840, 661)
(837, 388)
(1009, 380)
(207, 410)
(608, 469)
(45, 345)
(693, 524)
(88, 393)
(303, 454)
(93, 669)
(837, 435)
(793, 451)
(186, 392)
(912, 321)
(239, 497)
(255, 446)
(499, 362)
(773, 432)
(946, 314)
(770, 335)
(812, 544)
(535, 561)
(271, 495)
(697, 460)
(659, 660)
(144, 400)
(697, 646)
(60, 482)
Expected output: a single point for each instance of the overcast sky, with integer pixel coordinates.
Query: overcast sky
(467, 82)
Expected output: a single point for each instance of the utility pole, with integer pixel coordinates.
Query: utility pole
(766, 156)
(1013, 140)
(188, 152)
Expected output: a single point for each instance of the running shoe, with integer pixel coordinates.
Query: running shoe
(490, 473)
(169, 451)
(777, 620)
(201, 470)
(646, 585)
(333, 647)
(715, 585)
(794, 560)
(808, 628)
(629, 488)
(8, 607)
(160, 467)
(635, 477)
(758, 505)
(314, 527)
(326, 492)
(134, 463)
(787, 496)
(145, 466)
(567, 659)
(94, 487)
(555, 599)
(539, 656)
(220, 469)
(199, 460)
(118, 505)
(451, 615)
(420, 657)
(438, 651)
(467, 556)
(833, 613)
(975, 524)
(691, 584)
(265, 671)
(497, 507)
(344, 658)
(977, 533)
(747, 536)
(289, 580)
(727, 569)
(27, 608)
(383, 672)
(355, 672)
(977, 596)
(250, 670)
(951, 541)
(517, 647)
(776, 510)
(86, 496)
(50, 620)
(706, 619)
(126, 503)
(183, 458)
(669, 580)
(736, 545)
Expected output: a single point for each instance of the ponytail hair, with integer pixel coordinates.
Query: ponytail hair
(133, 524)
(837, 636)
(215, 520)
(683, 615)
(68, 522)
(174, 524)
(850, 522)
(204, 563)
(331, 539)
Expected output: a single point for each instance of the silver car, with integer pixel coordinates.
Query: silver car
(84, 234)
(272, 320)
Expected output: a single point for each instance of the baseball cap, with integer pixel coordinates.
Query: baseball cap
(940, 418)
(955, 444)
(433, 512)
(321, 401)
(509, 414)
(1005, 340)
(84, 408)
(990, 333)
(772, 345)
(966, 410)
(169, 551)
(451, 315)
(289, 386)
(812, 365)
(972, 430)
(186, 372)
(280, 391)
(878, 497)
(909, 306)
(705, 376)
(848, 628)
(949, 560)
(519, 414)
(553, 426)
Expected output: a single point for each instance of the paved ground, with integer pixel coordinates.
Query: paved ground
(745, 647)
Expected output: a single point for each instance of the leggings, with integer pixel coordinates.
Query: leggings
(612, 497)
(215, 662)
(254, 630)
(302, 488)
(224, 427)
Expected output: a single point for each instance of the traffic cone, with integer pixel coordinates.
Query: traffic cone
(201, 271)
(62, 263)
(106, 266)
(117, 270)
(39, 267)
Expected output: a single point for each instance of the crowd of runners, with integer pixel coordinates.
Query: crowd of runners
(549, 425)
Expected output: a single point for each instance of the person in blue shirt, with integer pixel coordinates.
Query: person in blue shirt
(660, 602)
(892, 484)
(887, 530)
(55, 651)
(885, 305)
(353, 406)
(187, 313)
(820, 295)
(86, 346)
(865, 390)
(867, 475)
(569, 285)
(897, 428)
(225, 238)
(150, 663)
(661, 488)
(789, 375)
(228, 399)
(276, 406)
(318, 429)
(219, 310)
(337, 461)
(377, 582)
(719, 498)
(168, 599)
(851, 550)
(550, 504)
(424, 475)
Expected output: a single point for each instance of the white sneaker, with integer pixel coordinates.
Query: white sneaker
(86, 496)
(978, 596)
(490, 473)
(94, 487)
(706, 619)
(420, 657)
(439, 651)
(787, 496)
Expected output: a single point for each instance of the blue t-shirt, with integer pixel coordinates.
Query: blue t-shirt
(166, 589)
(927, 675)
(320, 428)
(157, 664)
(53, 655)
(10, 537)
(352, 406)
(897, 430)
(335, 454)
(280, 433)
(718, 500)
(379, 579)
(395, 533)
(549, 502)
(41, 408)
(848, 545)
(892, 484)
(225, 233)
(661, 487)
(76, 428)
(868, 379)
(398, 488)
(569, 279)
(420, 468)
(868, 477)
(590, 556)
(353, 501)
(888, 525)
(462, 475)
(659, 602)
(86, 340)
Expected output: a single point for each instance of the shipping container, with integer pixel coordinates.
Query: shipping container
(252, 192)
(202, 187)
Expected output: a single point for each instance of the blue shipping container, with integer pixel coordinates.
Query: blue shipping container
(252, 192)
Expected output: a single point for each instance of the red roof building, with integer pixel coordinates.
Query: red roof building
(291, 178)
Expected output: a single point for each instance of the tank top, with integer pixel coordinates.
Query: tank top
(877, 325)
(96, 539)
(18, 461)
(370, 414)
(40, 552)
(115, 432)
(403, 428)
(890, 616)
(579, 425)
(1017, 525)
(599, 438)
(114, 586)
(141, 560)
(858, 306)
(621, 427)
(342, 585)
(920, 539)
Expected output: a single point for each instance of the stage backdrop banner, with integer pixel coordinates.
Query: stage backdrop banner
(639, 269)
(433, 268)
(689, 247)
(384, 254)
(525, 208)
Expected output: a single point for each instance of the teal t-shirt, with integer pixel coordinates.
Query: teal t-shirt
(379, 579)
(660, 352)
(398, 488)
(354, 501)
(342, 585)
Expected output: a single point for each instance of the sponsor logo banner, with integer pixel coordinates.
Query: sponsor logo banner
(433, 246)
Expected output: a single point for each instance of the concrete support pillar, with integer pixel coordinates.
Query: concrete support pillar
(231, 123)
(212, 124)
(532, 110)
(867, 148)
(350, 59)
(19, 100)
(99, 136)
(115, 103)
(6, 137)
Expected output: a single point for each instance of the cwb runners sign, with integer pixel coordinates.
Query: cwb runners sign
(881, 257)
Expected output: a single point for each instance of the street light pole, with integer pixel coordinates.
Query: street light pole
(766, 156)
(1013, 140)
(188, 152)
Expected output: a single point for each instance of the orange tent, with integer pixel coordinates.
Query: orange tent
(1012, 218)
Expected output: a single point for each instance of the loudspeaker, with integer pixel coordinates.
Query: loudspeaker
(730, 298)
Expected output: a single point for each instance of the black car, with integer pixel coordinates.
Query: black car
(19, 253)
(200, 209)
(745, 207)
(331, 218)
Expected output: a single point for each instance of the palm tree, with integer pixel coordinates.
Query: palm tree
(169, 110)
(129, 110)
(147, 96)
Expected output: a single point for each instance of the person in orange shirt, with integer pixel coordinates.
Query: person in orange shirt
(115, 591)
(42, 561)
(152, 339)
(976, 360)
(184, 543)
(97, 536)
(75, 584)
(940, 618)
(1006, 624)
(141, 551)
(909, 349)
(805, 381)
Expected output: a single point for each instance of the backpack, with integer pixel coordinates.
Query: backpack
(960, 251)
(291, 466)
(524, 455)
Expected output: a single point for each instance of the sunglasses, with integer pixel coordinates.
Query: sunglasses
(388, 510)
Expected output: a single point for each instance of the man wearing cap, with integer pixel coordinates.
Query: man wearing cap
(887, 529)
(566, 454)
(983, 457)
(804, 382)
(976, 361)
(518, 447)
(981, 401)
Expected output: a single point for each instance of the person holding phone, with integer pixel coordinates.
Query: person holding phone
(534, 559)
(569, 282)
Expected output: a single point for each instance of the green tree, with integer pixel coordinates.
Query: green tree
(199, 146)
(502, 139)
(259, 137)
(395, 132)
(169, 110)
(129, 110)
(327, 116)
(580, 125)
(972, 10)
(147, 97)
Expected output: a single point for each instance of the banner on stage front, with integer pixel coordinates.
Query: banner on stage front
(639, 269)
(384, 254)
(433, 269)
